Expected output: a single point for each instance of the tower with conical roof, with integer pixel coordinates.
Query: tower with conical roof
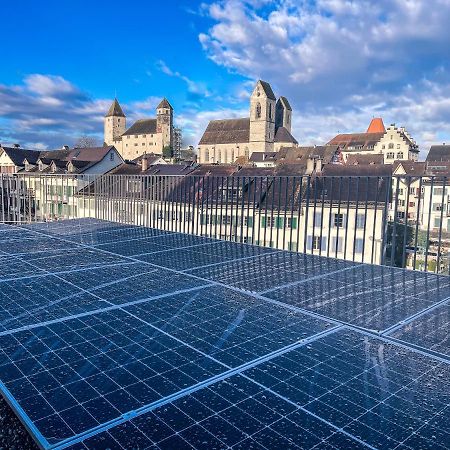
(164, 123)
(115, 123)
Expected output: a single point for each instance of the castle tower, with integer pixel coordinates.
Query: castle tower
(262, 117)
(115, 123)
(164, 123)
(283, 115)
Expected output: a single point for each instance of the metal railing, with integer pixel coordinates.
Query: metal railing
(401, 221)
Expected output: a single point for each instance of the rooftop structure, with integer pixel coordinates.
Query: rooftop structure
(144, 338)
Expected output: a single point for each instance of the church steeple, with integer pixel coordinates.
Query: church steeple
(115, 123)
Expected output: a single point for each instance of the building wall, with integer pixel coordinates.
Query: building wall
(262, 119)
(132, 146)
(394, 147)
(6, 164)
(227, 153)
(114, 127)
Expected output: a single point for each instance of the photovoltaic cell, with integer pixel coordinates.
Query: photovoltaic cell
(430, 331)
(358, 300)
(233, 328)
(267, 271)
(102, 348)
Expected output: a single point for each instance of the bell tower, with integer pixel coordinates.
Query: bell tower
(262, 117)
(115, 123)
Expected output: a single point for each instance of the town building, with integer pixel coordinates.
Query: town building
(395, 144)
(268, 129)
(152, 135)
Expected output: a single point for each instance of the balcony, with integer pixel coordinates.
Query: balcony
(116, 335)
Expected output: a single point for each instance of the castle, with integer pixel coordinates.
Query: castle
(144, 136)
(266, 130)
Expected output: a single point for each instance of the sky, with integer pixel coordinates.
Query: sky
(339, 62)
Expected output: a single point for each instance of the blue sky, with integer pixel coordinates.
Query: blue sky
(340, 62)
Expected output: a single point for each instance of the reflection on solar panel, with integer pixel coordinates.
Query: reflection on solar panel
(117, 336)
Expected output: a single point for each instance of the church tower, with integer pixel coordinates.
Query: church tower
(262, 117)
(164, 123)
(283, 115)
(115, 123)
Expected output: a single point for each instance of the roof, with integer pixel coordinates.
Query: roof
(228, 131)
(284, 101)
(262, 156)
(142, 126)
(439, 153)
(356, 141)
(150, 157)
(92, 154)
(283, 135)
(164, 104)
(299, 155)
(376, 126)
(115, 110)
(358, 159)
(18, 155)
(410, 167)
(345, 170)
(267, 89)
(131, 168)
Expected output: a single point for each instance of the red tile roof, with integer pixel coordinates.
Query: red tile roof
(376, 126)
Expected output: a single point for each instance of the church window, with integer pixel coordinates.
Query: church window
(270, 110)
(258, 110)
(219, 156)
(206, 155)
(288, 118)
(232, 156)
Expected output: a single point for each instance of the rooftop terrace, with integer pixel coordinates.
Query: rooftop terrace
(118, 336)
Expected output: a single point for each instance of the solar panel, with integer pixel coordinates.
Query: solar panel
(116, 336)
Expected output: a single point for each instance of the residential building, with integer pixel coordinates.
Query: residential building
(439, 153)
(153, 135)
(266, 130)
(12, 158)
(393, 143)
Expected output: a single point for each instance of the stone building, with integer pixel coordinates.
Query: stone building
(266, 130)
(144, 136)
(395, 144)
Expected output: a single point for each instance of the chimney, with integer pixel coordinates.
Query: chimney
(16, 145)
(319, 165)
(310, 165)
(144, 164)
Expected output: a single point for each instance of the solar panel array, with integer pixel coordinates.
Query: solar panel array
(115, 336)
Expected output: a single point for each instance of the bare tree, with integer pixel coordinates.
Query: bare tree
(86, 141)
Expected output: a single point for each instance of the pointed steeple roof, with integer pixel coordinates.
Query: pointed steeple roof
(164, 104)
(115, 110)
(376, 126)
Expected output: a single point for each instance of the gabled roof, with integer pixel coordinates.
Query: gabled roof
(267, 89)
(164, 104)
(285, 103)
(363, 140)
(376, 126)
(359, 159)
(283, 135)
(18, 155)
(262, 156)
(439, 153)
(115, 110)
(300, 155)
(410, 167)
(142, 126)
(228, 131)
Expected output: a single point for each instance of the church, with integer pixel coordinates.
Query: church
(268, 129)
(144, 136)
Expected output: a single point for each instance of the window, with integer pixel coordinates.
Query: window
(258, 111)
(111, 156)
(438, 191)
(391, 145)
(206, 155)
(383, 146)
(360, 221)
(317, 219)
(319, 243)
(270, 111)
(412, 190)
(400, 191)
(143, 135)
(336, 244)
(390, 155)
(437, 222)
(359, 245)
(412, 204)
(338, 220)
(401, 203)
(398, 146)
(400, 155)
(128, 136)
(136, 136)
(292, 222)
(438, 206)
(400, 214)
(143, 143)
(136, 144)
